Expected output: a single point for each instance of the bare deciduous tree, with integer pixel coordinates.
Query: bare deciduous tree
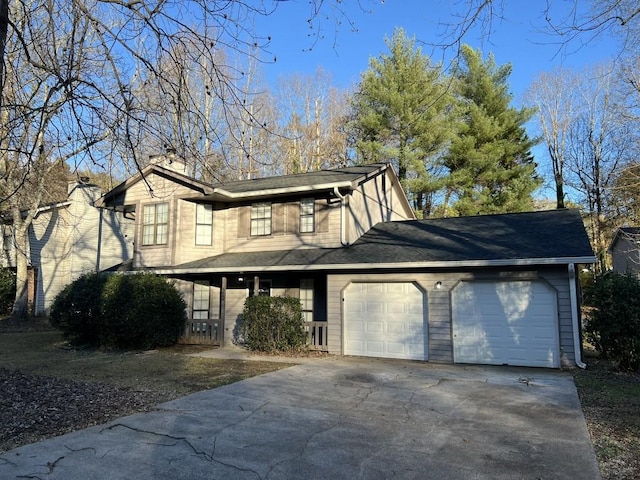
(554, 96)
(73, 82)
(598, 140)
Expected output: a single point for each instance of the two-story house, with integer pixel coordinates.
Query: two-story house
(497, 289)
(67, 239)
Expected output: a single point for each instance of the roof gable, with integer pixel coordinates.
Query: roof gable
(624, 232)
(346, 178)
(116, 193)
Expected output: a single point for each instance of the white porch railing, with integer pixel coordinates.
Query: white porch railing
(317, 336)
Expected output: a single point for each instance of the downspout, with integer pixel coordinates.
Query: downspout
(343, 216)
(573, 295)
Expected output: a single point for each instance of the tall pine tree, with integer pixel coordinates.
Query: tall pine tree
(400, 115)
(491, 168)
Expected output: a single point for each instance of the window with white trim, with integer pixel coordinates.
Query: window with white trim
(260, 219)
(307, 215)
(204, 224)
(155, 224)
(306, 298)
(200, 300)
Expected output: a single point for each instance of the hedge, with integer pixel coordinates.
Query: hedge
(273, 324)
(138, 311)
(612, 324)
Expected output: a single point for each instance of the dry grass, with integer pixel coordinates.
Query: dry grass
(611, 405)
(169, 371)
(49, 389)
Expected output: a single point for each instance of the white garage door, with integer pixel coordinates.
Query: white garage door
(385, 320)
(513, 323)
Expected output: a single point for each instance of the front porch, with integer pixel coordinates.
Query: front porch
(215, 304)
(210, 332)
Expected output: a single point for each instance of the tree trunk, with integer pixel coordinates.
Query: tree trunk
(4, 27)
(20, 306)
(559, 191)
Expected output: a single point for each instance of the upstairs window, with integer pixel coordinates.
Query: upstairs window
(307, 215)
(155, 224)
(260, 219)
(204, 224)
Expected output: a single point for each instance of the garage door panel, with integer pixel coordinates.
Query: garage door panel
(505, 322)
(393, 320)
(374, 327)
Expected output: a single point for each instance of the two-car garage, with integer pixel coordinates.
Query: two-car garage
(490, 322)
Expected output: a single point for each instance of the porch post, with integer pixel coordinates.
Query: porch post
(223, 301)
(256, 286)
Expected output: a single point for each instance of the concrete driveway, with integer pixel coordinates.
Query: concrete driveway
(339, 418)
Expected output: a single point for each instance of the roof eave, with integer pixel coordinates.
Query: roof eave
(384, 266)
(280, 191)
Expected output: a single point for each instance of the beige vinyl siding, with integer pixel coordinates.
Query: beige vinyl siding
(374, 201)
(186, 248)
(66, 242)
(116, 245)
(235, 298)
(439, 305)
(285, 232)
(164, 190)
(50, 243)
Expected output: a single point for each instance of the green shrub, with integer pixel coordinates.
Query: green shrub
(273, 324)
(76, 310)
(141, 311)
(612, 324)
(119, 311)
(7, 290)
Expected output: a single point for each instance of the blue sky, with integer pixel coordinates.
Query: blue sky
(517, 39)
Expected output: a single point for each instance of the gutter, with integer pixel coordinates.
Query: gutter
(278, 191)
(377, 266)
(573, 295)
(343, 216)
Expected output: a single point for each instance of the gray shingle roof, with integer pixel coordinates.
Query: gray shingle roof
(555, 236)
(322, 177)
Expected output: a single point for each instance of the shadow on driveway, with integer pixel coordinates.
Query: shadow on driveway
(339, 418)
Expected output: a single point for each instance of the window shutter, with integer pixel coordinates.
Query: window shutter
(277, 213)
(243, 221)
(322, 220)
(293, 218)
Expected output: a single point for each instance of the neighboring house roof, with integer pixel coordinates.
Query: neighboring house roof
(535, 238)
(628, 232)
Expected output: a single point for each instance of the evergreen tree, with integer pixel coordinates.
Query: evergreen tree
(491, 169)
(399, 115)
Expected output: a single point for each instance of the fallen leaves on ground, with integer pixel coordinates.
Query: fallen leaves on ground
(34, 407)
